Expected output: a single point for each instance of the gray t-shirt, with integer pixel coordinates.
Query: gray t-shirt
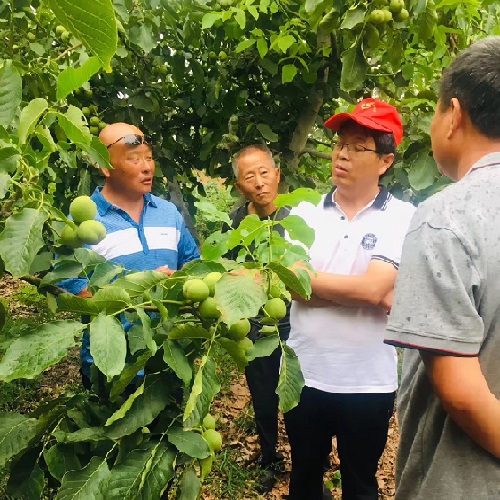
(447, 299)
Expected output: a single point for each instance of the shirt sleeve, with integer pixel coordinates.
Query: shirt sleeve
(434, 304)
(389, 248)
(187, 250)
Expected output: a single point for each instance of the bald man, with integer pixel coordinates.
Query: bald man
(143, 232)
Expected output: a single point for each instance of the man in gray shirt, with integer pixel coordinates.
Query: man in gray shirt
(446, 309)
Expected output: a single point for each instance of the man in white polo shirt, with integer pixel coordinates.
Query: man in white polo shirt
(350, 374)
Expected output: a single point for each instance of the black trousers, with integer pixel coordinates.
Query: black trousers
(360, 422)
(262, 376)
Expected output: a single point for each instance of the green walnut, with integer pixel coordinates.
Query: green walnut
(86, 111)
(275, 308)
(70, 238)
(94, 120)
(91, 232)
(195, 290)
(402, 15)
(208, 309)
(208, 422)
(376, 16)
(213, 439)
(60, 30)
(396, 5)
(245, 344)
(210, 280)
(239, 330)
(82, 208)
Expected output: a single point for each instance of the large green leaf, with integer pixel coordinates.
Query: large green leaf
(93, 23)
(104, 273)
(62, 271)
(86, 483)
(137, 283)
(97, 152)
(151, 399)
(78, 305)
(215, 246)
(60, 459)
(354, 68)
(263, 347)
(267, 131)
(288, 73)
(291, 380)
(297, 196)
(108, 345)
(300, 284)
(127, 375)
(423, 171)
(143, 474)
(189, 442)
(235, 351)
(190, 486)
(240, 296)
(249, 229)
(27, 356)
(81, 435)
(189, 331)
(34, 485)
(160, 471)
(175, 357)
(74, 125)
(209, 19)
(29, 118)
(354, 17)
(11, 86)
(73, 78)
(205, 386)
(16, 431)
(147, 331)
(111, 299)
(298, 229)
(211, 213)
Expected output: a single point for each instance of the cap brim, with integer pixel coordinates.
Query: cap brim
(336, 121)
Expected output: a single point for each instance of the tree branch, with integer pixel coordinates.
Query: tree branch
(317, 154)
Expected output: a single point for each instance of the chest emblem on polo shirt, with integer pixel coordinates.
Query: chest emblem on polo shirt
(369, 241)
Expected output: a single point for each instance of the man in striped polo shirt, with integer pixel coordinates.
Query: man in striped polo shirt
(143, 232)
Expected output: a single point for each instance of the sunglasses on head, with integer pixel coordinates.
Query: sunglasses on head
(133, 140)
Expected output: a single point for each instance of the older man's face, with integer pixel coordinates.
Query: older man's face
(133, 165)
(258, 179)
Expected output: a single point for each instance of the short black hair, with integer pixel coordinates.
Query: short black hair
(384, 142)
(474, 79)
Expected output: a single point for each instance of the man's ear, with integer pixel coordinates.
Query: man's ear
(278, 174)
(237, 186)
(105, 172)
(457, 117)
(387, 161)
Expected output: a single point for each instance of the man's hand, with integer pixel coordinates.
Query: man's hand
(387, 301)
(165, 270)
(85, 294)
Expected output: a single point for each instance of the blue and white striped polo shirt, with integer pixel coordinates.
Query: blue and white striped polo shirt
(161, 238)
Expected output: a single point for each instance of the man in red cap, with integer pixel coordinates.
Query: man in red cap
(350, 374)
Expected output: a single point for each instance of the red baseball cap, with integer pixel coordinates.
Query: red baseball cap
(374, 114)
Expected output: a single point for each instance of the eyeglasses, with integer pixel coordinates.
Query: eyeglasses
(351, 148)
(133, 140)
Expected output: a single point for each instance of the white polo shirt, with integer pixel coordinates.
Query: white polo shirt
(341, 349)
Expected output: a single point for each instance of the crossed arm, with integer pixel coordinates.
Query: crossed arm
(373, 288)
(464, 393)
